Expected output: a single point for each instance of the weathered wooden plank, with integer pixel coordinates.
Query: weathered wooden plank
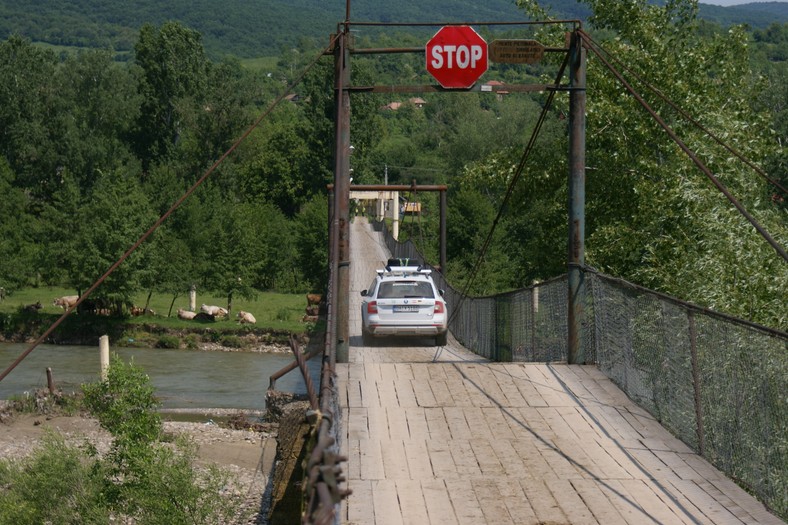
(357, 424)
(486, 458)
(441, 393)
(752, 506)
(395, 462)
(386, 502)
(440, 453)
(572, 505)
(506, 382)
(466, 507)
(405, 394)
(419, 464)
(540, 498)
(464, 459)
(516, 502)
(417, 423)
(371, 459)
(490, 499)
(439, 505)
(412, 503)
(598, 503)
(526, 386)
(423, 392)
(387, 393)
(506, 452)
(437, 425)
(397, 423)
(358, 511)
(354, 393)
(497, 422)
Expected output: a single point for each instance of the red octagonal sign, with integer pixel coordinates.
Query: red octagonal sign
(456, 56)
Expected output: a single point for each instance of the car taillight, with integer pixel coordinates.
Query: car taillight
(439, 307)
(372, 307)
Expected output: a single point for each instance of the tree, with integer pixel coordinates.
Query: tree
(103, 226)
(17, 249)
(173, 70)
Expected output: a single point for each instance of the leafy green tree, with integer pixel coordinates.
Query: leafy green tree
(97, 106)
(97, 230)
(173, 74)
(18, 251)
(311, 240)
(27, 101)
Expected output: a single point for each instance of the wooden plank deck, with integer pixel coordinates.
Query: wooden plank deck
(441, 436)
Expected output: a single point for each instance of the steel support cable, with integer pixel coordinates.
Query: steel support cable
(687, 116)
(510, 189)
(169, 212)
(672, 134)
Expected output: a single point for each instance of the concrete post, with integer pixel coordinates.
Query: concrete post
(104, 356)
(193, 298)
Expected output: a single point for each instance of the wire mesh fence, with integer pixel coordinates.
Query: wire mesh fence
(718, 383)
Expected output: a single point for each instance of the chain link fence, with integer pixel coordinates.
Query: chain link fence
(718, 383)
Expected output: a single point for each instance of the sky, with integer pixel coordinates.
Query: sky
(728, 2)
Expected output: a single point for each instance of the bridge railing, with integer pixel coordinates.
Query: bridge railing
(716, 382)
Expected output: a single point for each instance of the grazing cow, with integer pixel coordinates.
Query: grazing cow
(66, 302)
(313, 299)
(185, 314)
(33, 308)
(246, 317)
(138, 310)
(216, 311)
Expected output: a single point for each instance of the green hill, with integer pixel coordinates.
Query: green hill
(254, 28)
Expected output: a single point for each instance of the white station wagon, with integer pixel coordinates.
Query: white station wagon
(403, 301)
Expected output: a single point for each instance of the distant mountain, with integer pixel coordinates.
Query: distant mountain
(251, 28)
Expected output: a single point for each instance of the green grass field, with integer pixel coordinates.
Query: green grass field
(275, 311)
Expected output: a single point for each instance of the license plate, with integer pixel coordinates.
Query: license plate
(406, 308)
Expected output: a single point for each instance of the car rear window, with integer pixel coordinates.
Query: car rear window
(405, 289)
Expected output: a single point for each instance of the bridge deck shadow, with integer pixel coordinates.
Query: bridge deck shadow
(439, 435)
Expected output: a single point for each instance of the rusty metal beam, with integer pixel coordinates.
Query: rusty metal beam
(434, 88)
(577, 179)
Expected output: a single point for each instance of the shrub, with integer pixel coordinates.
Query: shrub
(58, 483)
(232, 341)
(168, 341)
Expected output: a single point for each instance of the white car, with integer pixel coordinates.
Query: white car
(404, 301)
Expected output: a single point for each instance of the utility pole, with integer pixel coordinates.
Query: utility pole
(342, 190)
(577, 195)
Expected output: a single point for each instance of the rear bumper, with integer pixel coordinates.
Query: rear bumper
(399, 330)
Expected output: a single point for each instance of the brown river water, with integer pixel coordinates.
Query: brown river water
(183, 379)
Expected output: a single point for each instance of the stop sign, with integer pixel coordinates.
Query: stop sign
(456, 56)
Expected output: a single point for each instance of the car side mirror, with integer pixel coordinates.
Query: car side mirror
(442, 292)
(363, 293)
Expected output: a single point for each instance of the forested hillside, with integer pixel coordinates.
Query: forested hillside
(253, 28)
(93, 151)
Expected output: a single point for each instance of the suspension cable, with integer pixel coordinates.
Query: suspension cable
(687, 116)
(510, 189)
(672, 134)
(169, 212)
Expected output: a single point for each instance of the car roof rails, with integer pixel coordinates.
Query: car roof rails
(403, 262)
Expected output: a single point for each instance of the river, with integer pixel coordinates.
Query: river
(183, 379)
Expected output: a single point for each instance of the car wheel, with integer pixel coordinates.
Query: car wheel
(441, 339)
